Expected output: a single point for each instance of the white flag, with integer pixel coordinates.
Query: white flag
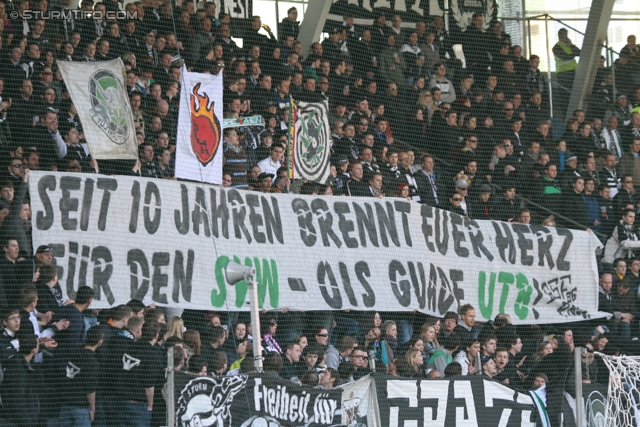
(99, 94)
(198, 151)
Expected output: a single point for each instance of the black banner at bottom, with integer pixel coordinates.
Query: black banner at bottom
(473, 400)
(252, 400)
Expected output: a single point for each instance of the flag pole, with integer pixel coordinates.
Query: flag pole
(291, 138)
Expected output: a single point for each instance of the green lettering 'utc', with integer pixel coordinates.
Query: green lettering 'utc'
(486, 292)
(266, 276)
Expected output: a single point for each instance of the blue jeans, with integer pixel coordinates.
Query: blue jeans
(74, 417)
(135, 415)
(89, 321)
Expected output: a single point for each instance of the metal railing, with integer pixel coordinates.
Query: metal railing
(526, 21)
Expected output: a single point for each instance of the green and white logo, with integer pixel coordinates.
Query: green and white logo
(109, 107)
(311, 139)
(312, 149)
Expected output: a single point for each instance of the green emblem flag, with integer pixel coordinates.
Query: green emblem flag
(311, 147)
(99, 94)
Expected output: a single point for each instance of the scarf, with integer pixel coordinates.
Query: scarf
(271, 344)
(410, 48)
(57, 294)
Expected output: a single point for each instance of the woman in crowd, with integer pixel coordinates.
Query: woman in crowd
(390, 341)
(175, 327)
(268, 329)
(237, 355)
(411, 365)
(302, 341)
(240, 331)
(403, 191)
(429, 337)
(533, 363)
(192, 340)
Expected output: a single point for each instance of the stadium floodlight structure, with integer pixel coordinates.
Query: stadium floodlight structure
(235, 273)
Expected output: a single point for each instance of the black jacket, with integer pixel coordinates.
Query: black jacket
(80, 379)
(506, 210)
(480, 210)
(430, 192)
(46, 300)
(575, 208)
(13, 276)
(13, 226)
(19, 390)
(111, 360)
(141, 368)
(287, 28)
(288, 369)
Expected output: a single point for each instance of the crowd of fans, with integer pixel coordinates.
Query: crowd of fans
(408, 119)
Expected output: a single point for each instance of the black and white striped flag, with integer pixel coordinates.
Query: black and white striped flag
(311, 145)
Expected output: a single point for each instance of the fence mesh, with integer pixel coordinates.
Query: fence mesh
(164, 188)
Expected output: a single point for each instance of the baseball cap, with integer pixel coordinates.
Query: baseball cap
(43, 249)
(461, 183)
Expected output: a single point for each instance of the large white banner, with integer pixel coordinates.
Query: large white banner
(198, 150)
(100, 97)
(168, 243)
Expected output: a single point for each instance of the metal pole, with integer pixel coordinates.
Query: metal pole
(277, 17)
(529, 37)
(577, 357)
(577, 360)
(255, 325)
(613, 77)
(171, 411)
(445, 13)
(524, 28)
(546, 31)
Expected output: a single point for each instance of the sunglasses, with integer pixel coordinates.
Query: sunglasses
(322, 335)
(457, 200)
